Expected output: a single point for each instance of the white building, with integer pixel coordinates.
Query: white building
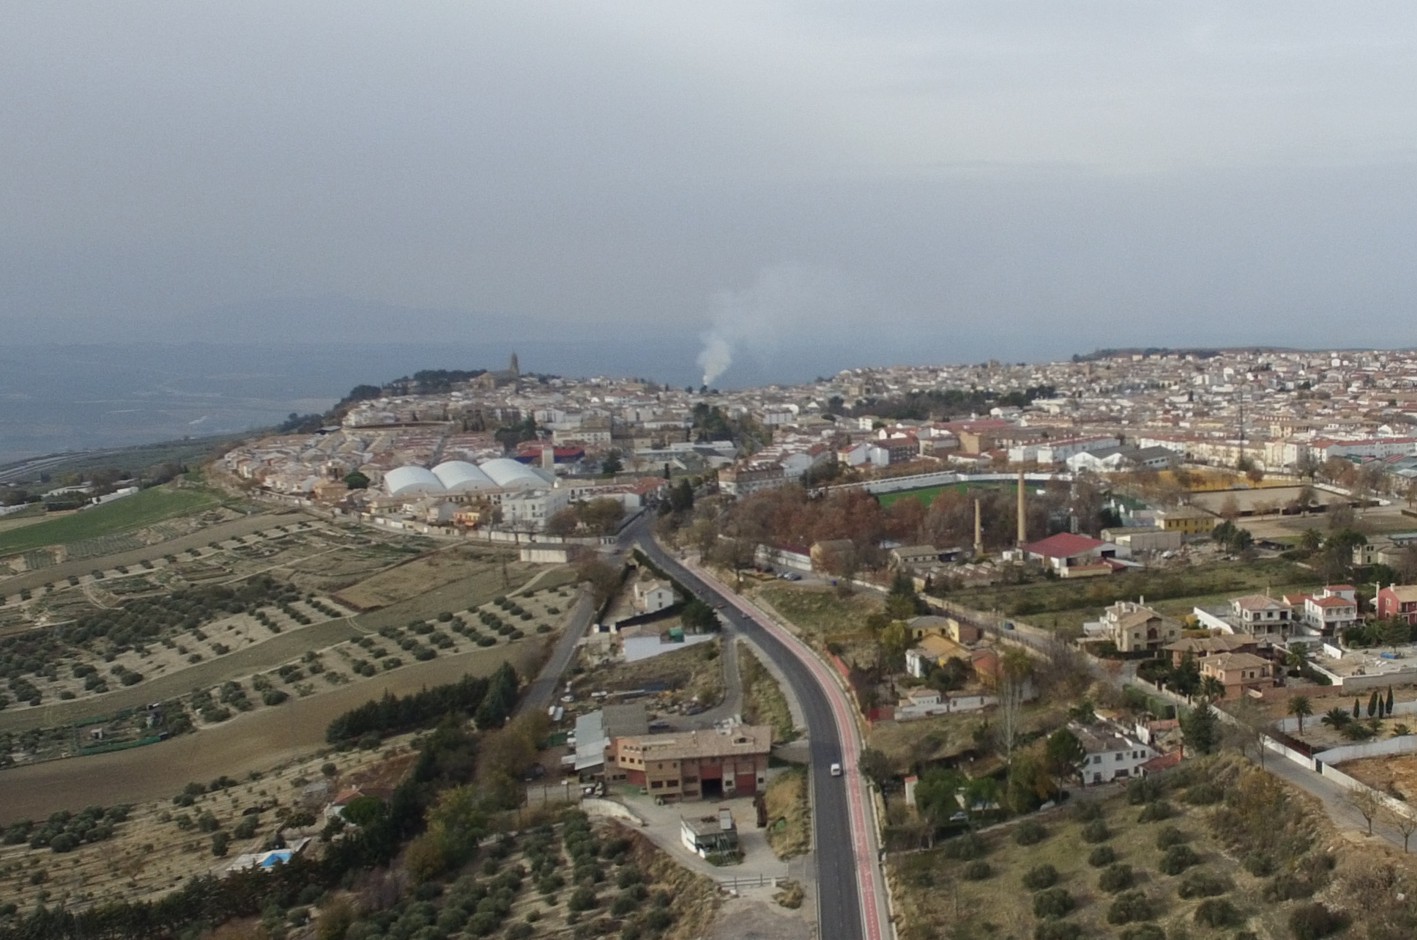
(652, 596)
(1112, 754)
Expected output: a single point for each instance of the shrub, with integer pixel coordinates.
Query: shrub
(965, 849)
(976, 871)
(1053, 902)
(1057, 930)
(1287, 886)
(1143, 790)
(1259, 864)
(1313, 921)
(1096, 831)
(582, 899)
(1202, 884)
(1030, 832)
(1168, 837)
(1039, 877)
(1203, 794)
(1129, 906)
(1102, 856)
(1144, 932)
(1116, 878)
(1217, 912)
(1156, 811)
(1177, 859)
(1087, 812)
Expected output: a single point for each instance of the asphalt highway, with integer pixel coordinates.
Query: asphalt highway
(839, 856)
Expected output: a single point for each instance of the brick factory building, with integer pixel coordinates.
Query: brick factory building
(691, 765)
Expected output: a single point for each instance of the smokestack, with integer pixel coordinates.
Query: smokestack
(1022, 513)
(978, 531)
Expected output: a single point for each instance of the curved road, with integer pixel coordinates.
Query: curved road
(844, 859)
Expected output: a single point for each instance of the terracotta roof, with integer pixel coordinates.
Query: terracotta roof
(1227, 661)
(1063, 545)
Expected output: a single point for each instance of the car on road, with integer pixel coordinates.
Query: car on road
(836, 769)
(790, 576)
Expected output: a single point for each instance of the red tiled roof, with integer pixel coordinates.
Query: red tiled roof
(1063, 545)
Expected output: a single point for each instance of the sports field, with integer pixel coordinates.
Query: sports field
(927, 494)
(121, 515)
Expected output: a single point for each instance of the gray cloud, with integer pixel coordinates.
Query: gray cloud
(1016, 180)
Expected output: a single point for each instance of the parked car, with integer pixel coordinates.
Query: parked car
(836, 769)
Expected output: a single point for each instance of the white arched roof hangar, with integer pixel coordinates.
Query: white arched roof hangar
(509, 474)
(412, 481)
(459, 475)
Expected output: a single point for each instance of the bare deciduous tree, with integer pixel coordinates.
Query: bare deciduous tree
(1366, 803)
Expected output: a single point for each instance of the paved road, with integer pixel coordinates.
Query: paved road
(542, 691)
(839, 865)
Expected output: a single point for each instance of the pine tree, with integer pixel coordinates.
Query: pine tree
(1357, 713)
(1373, 703)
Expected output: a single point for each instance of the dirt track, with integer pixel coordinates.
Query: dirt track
(258, 740)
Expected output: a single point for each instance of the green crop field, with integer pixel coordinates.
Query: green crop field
(121, 515)
(927, 495)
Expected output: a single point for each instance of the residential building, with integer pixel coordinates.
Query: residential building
(1260, 614)
(750, 479)
(1398, 602)
(932, 651)
(1238, 672)
(1133, 627)
(1201, 646)
(1112, 754)
(1333, 609)
(653, 596)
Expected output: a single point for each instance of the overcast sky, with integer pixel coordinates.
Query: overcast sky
(929, 181)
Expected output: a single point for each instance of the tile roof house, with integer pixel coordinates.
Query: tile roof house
(1398, 601)
(1238, 672)
(1132, 626)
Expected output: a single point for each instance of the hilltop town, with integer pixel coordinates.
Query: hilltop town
(1265, 412)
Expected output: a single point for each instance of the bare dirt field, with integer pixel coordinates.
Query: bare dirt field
(421, 575)
(1395, 775)
(255, 741)
(755, 916)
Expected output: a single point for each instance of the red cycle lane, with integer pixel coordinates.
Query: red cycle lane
(867, 870)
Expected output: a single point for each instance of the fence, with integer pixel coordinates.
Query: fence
(752, 881)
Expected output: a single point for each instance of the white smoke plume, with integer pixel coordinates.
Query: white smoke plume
(783, 299)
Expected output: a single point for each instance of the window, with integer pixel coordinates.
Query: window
(656, 784)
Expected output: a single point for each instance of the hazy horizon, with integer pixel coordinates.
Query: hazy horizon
(959, 180)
